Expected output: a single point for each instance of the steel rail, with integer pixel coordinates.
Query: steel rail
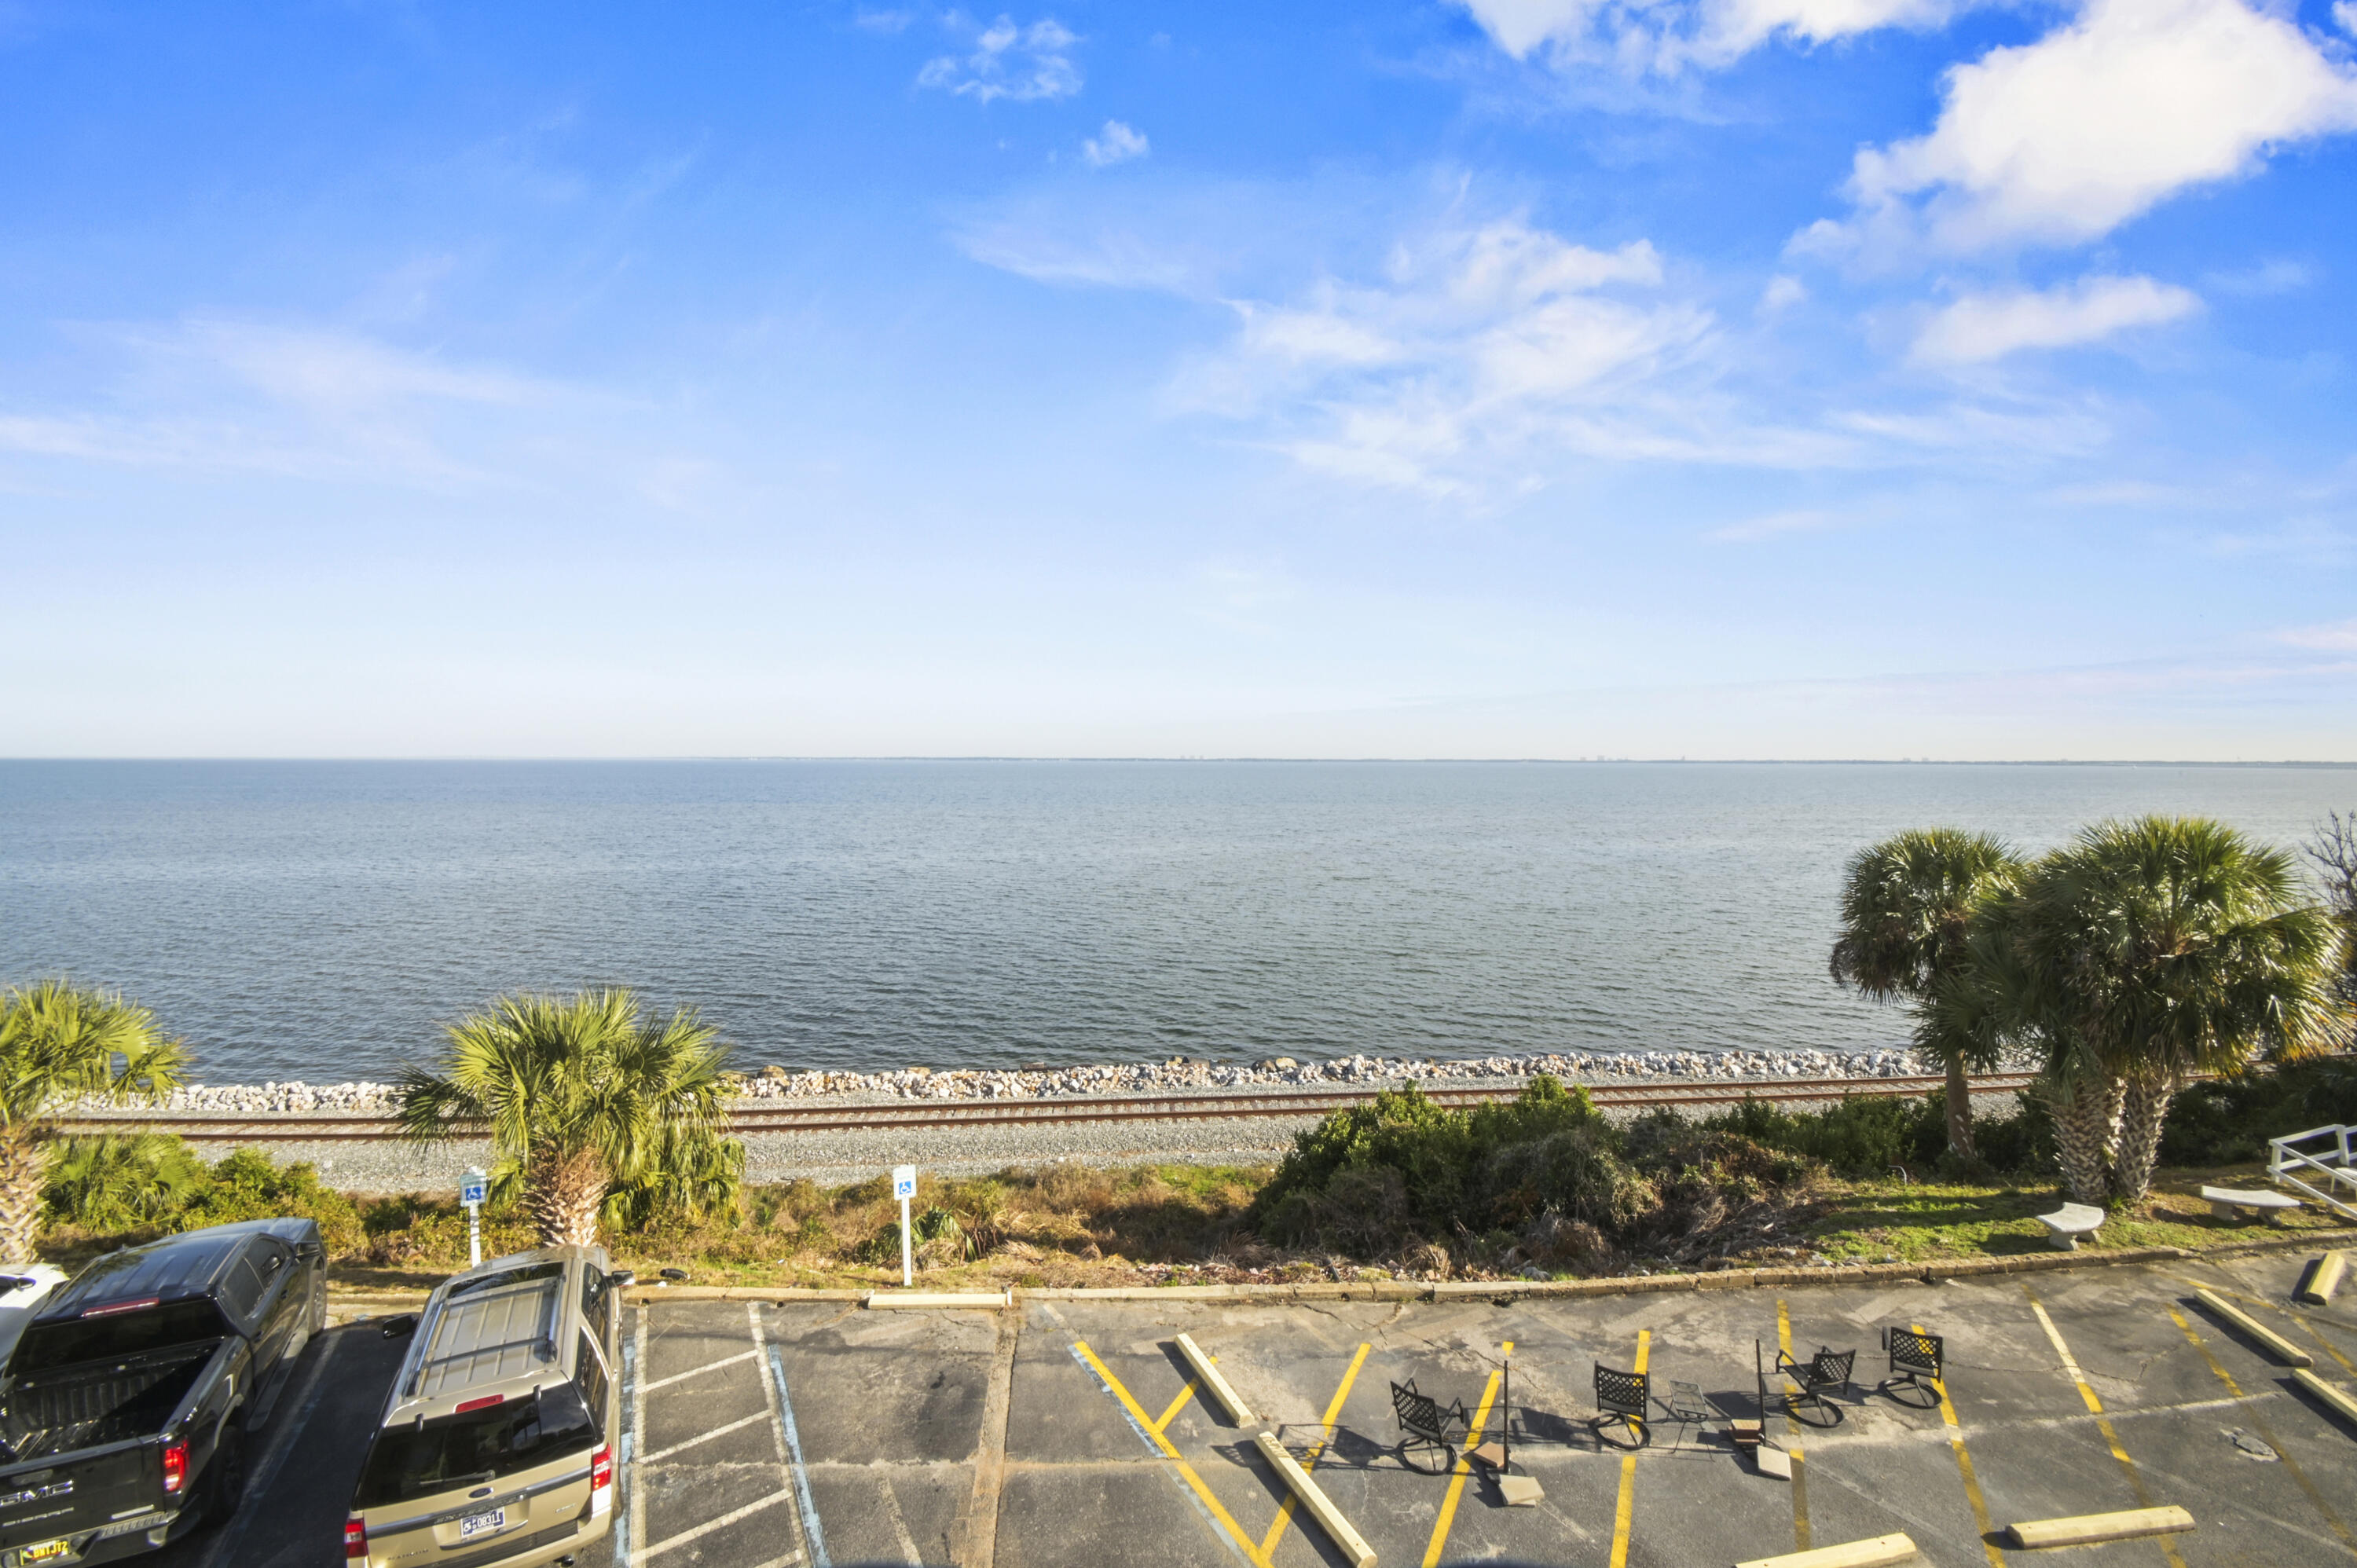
(921, 1114)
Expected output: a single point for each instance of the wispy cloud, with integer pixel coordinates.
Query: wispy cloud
(224, 393)
(1984, 327)
(1115, 143)
(2340, 637)
(1476, 342)
(1021, 63)
(1667, 35)
(1777, 524)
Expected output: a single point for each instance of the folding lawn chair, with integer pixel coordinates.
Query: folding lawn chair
(1825, 1369)
(1426, 1428)
(1917, 1361)
(1623, 1397)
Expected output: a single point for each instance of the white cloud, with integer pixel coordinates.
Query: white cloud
(2278, 275)
(1783, 291)
(1480, 347)
(1022, 63)
(1666, 34)
(222, 393)
(1982, 327)
(1776, 524)
(2063, 139)
(2338, 638)
(1115, 143)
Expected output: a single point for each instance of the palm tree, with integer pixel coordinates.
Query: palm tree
(58, 1043)
(2153, 950)
(1907, 905)
(579, 1098)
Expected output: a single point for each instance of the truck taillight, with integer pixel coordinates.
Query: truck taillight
(601, 1482)
(355, 1540)
(176, 1468)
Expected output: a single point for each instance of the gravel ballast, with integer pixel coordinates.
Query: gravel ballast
(850, 1154)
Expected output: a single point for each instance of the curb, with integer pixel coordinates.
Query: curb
(1498, 1291)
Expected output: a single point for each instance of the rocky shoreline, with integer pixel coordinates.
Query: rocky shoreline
(1176, 1076)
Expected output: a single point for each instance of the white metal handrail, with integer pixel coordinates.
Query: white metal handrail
(2331, 1163)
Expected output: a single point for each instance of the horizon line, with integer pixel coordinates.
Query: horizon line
(1240, 758)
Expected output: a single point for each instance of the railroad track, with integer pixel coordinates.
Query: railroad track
(944, 1114)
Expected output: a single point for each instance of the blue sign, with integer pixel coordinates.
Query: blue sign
(470, 1188)
(904, 1181)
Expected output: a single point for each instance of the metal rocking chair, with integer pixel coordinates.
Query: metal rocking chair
(1918, 1362)
(1426, 1427)
(1825, 1369)
(1623, 1397)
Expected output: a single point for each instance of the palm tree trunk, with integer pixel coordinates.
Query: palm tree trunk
(566, 1191)
(2144, 1112)
(24, 1170)
(2086, 1120)
(1960, 1110)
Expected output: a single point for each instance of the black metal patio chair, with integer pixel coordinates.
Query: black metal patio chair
(1825, 1369)
(1427, 1427)
(1623, 1397)
(1918, 1363)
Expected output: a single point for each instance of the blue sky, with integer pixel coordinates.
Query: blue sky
(1709, 378)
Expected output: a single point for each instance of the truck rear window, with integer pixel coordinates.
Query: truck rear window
(419, 1459)
(114, 1335)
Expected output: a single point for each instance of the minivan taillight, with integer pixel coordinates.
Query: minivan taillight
(176, 1468)
(355, 1540)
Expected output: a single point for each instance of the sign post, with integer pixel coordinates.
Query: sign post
(904, 1188)
(470, 1192)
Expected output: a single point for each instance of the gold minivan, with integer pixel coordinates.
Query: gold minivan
(496, 1449)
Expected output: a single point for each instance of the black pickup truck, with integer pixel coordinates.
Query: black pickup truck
(125, 1404)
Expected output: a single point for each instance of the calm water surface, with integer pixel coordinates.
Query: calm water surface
(315, 921)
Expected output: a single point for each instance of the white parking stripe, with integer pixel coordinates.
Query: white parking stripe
(707, 1367)
(638, 1514)
(662, 1453)
(723, 1522)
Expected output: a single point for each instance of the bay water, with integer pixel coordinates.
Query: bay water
(320, 920)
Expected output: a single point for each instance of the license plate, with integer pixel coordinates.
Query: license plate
(47, 1552)
(476, 1524)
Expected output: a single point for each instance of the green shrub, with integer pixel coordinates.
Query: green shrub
(108, 1182)
(1863, 1134)
(246, 1185)
(2228, 1120)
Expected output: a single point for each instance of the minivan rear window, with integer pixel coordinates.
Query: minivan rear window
(419, 1459)
(115, 1335)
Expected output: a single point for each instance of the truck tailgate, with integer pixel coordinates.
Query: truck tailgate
(113, 1489)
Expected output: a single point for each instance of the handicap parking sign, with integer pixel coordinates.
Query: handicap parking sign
(904, 1181)
(471, 1186)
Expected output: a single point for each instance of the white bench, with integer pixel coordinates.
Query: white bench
(2227, 1203)
(2068, 1223)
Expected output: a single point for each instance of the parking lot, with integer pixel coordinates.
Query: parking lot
(1068, 1432)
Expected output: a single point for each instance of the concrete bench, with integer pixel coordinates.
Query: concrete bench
(2068, 1223)
(2227, 1203)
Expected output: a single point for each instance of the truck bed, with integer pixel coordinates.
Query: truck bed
(62, 1409)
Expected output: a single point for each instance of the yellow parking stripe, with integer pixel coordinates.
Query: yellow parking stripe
(2103, 1422)
(1177, 1405)
(1623, 1510)
(1791, 1446)
(2251, 1410)
(1309, 1460)
(1464, 1467)
(1252, 1552)
(1964, 1468)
